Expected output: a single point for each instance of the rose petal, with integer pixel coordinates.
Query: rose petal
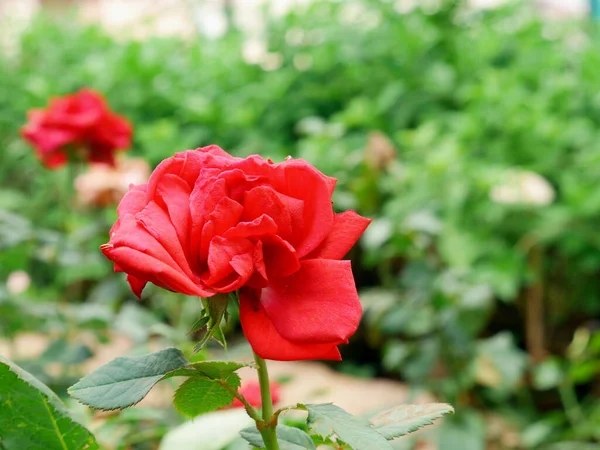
(205, 196)
(158, 224)
(133, 201)
(132, 246)
(110, 133)
(259, 278)
(54, 159)
(226, 215)
(46, 138)
(136, 285)
(318, 303)
(261, 226)
(279, 257)
(101, 154)
(244, 267)
(264, 200)
(217, 152)
(347, 229)
(266, 340)
(167, 166)
(295, 209)
(298, 180)
(226, 256)
(145, 267)
(175, 195)
(187, 165)
(133, 234)
(79, 111)
(259, 261)
(330, 181)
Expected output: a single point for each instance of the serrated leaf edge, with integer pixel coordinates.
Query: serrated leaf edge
(119, 408)
(212, 380)
(412, 429)
(49, 399)
(194, 373)
(304, 406)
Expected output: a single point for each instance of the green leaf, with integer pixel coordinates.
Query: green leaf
(288, 438)
(32, 416)
(330, 442)
(214, 370)
(125, 381)
(215, 309)
(327, 419)
(291, 438)
(217, 369)
(219, 337)
(202, 322)
(253, 436)
(199, 395)
(405, 419)
(204, 337)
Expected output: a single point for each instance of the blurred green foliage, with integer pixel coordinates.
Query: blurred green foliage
(420, 116)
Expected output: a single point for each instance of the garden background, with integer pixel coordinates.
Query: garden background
(471, 135)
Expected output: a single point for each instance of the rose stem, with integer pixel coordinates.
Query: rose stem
(268, 432)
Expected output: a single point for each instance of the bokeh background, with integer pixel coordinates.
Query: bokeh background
(468, 130)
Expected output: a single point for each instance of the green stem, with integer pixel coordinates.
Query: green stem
(65, 209)
(268, 430)
(249, 409)
(571, 404)
(68, 196)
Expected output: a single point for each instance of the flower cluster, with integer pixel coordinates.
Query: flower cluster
(80, 126)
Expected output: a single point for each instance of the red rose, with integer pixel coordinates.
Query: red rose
(210, 223)
(251, 392)
(81, 123)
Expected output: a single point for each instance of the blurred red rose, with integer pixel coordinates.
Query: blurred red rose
(210, 223)
(81, 126)
(251, 392)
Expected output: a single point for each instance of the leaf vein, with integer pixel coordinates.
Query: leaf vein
(54, 424)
